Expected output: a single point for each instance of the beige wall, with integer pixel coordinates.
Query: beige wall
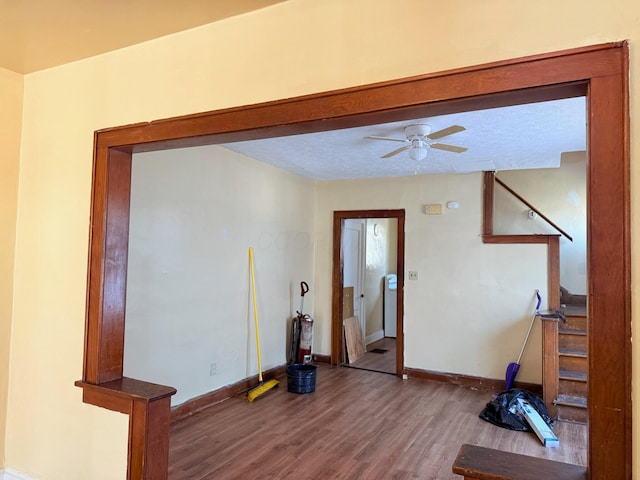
(10, 124)
(294, 48)
(561, 195)
(194, 214)
(470, 308)
(187, 286)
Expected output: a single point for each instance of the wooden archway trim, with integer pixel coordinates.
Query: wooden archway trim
(600, 71)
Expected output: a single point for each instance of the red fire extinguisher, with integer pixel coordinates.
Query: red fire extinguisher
(301, 333)
(306, 339)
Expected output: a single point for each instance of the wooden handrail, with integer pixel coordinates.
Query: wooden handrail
(543, 216)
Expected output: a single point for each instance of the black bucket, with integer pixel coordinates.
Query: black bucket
(301, 378)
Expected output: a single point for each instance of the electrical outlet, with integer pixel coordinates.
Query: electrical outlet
(212, 369)
(413, 275)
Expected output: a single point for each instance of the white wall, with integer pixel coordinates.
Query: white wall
(194, 214)
(561, 195)
(380, 260)
(469, 310)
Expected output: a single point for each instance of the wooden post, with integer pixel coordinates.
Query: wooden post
(550, 363)
(149, 408)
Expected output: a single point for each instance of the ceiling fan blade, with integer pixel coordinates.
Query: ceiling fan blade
(449, 148)
(397, 151)
(446, 131)
(373, 137)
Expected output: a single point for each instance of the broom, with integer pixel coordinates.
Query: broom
(263, 387)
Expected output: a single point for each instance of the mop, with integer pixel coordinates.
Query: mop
(513, 367)
(263, 387)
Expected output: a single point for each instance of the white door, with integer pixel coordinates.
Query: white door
(353, 251)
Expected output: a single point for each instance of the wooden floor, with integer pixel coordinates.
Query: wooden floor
(379, 361)
(357, 424)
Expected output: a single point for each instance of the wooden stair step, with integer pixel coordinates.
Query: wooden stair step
(572, 340)
(571, 388)
(480, 463)
(572, 383)
(571, 409)
(571, 331)
(575, 310)
(573, 376)
(573, 363)
(565, 413)
(572, 360)
(570, 352)
(568, 400)
(575, 322)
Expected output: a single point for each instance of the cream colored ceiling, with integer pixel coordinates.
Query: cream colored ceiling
(38, 34)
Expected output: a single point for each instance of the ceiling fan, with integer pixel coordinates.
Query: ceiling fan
(420, 139)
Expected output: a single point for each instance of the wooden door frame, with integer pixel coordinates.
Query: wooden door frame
(600, 72)
(337, 343)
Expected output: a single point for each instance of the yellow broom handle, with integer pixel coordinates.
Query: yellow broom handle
(255, 312)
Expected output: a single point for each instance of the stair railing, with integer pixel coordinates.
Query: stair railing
(550, 363)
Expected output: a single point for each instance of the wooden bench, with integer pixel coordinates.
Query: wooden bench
(480, 463)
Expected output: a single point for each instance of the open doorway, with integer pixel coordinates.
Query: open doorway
(369, 250)
(383, 232)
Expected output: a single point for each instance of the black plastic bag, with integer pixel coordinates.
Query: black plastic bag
(503, 411)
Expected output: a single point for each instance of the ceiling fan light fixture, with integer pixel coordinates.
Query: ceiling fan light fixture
(418, 154)
(418, 150)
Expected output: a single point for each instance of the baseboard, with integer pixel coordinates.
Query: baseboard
(11, 474)
(469, 381)
(374, 337)
(196, 404)
(318, 358)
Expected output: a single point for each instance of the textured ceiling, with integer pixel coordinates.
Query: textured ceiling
(508, 138)
(38, 34)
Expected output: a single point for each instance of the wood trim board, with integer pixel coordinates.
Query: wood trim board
(353, 338)
(599, 72)
(182, 411)
(470, 381)
(480, 463)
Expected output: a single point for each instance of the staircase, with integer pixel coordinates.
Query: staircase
(573, 365)
(564, 345)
